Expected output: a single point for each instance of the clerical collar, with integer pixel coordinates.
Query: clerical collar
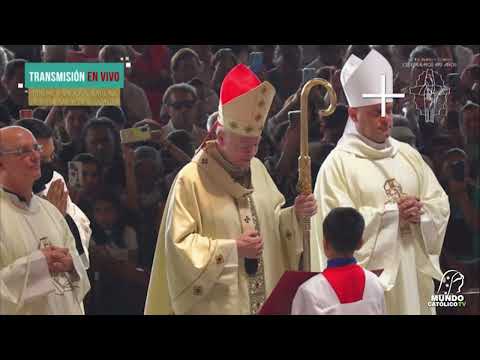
(332, 263)
(351, 129)
(374, 144)
(20, 197)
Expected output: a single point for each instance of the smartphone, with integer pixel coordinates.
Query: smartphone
(255, 61)
(75, 174)
(25, 114)
(458, 170)
(133, 135)
(308, 74)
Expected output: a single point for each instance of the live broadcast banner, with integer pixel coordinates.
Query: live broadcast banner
(74, 84)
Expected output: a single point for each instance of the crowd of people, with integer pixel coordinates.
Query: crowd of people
(175, 89)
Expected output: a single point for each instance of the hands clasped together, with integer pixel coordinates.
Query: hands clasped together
(250, 243)
(59, 259)
(410, 209)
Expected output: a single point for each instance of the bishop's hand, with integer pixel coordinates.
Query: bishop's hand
(410, 209)
(305, 206)
(250, 245)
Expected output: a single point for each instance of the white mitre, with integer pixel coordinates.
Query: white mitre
(360, 77)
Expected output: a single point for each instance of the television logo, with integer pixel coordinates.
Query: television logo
(448, 293)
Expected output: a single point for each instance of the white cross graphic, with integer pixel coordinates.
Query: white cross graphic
(383, 96)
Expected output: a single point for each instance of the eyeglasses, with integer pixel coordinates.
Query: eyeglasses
(179, 104)
(24, 152)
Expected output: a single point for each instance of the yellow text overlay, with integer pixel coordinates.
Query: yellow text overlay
(74, 97)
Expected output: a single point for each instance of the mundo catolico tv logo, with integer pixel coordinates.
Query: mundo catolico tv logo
(449, 291)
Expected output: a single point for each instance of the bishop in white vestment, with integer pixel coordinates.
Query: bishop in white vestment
(405, 209)
(223, 194)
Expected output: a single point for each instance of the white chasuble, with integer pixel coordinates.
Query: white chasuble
(196, 267)
(26, 285)
(371, 181)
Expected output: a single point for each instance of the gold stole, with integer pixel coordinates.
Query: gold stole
(210, 159)
(256, 283)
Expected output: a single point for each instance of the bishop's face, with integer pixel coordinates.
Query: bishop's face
(237, 149)
(370, 122)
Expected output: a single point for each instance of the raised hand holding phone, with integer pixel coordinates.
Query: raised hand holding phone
(256, 62)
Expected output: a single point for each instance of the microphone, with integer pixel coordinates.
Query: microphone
(251, 266)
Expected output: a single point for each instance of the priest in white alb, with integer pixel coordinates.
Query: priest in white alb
(41, 272)
(225, 240)
(51, 186)
(405, 209)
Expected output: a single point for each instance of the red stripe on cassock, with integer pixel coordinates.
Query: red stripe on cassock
(348, 282)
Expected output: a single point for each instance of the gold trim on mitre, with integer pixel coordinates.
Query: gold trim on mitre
(246, 114)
